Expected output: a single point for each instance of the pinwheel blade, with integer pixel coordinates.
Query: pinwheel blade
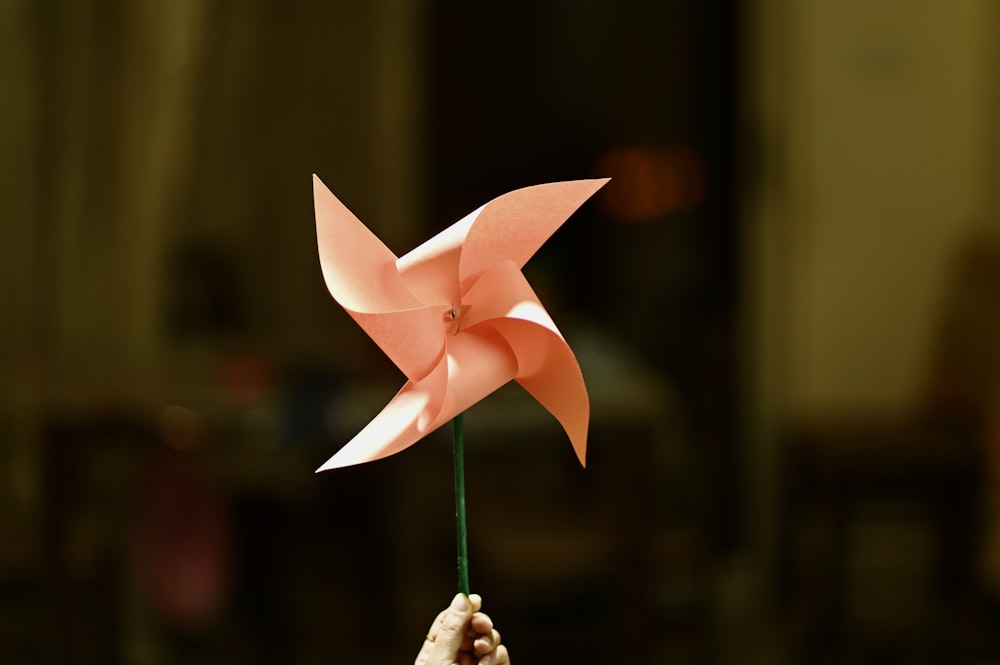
(503, 300)
(476, 365)
(512, 227)
(360, 273)
(552, 376)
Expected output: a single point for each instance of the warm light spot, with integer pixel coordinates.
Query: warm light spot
(245, 378)
(648, 183)
(180, 428)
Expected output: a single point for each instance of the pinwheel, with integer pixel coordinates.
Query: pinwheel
(456, 315)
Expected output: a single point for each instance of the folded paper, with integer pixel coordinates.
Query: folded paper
(456, 315)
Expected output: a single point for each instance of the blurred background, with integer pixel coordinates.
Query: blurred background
(784, 305)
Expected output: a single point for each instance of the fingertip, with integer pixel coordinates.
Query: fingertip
(476, 601)
(460, 603)
(451, 630)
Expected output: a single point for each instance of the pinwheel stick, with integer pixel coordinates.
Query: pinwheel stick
(458, 439)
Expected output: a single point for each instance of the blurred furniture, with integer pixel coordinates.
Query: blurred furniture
(889, 521)
(880, 537)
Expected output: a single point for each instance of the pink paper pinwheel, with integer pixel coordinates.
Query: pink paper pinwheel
(456, 315)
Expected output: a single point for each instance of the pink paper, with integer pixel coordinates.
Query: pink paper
(456, 315)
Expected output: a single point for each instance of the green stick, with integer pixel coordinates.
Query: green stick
(463, 546)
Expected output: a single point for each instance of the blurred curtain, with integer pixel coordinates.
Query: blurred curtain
(157, 203)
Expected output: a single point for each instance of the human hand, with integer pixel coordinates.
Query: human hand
(462, 635)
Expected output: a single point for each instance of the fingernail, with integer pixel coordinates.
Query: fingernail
(460, 603)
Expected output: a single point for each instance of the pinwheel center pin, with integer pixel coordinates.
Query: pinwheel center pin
(453, 317)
